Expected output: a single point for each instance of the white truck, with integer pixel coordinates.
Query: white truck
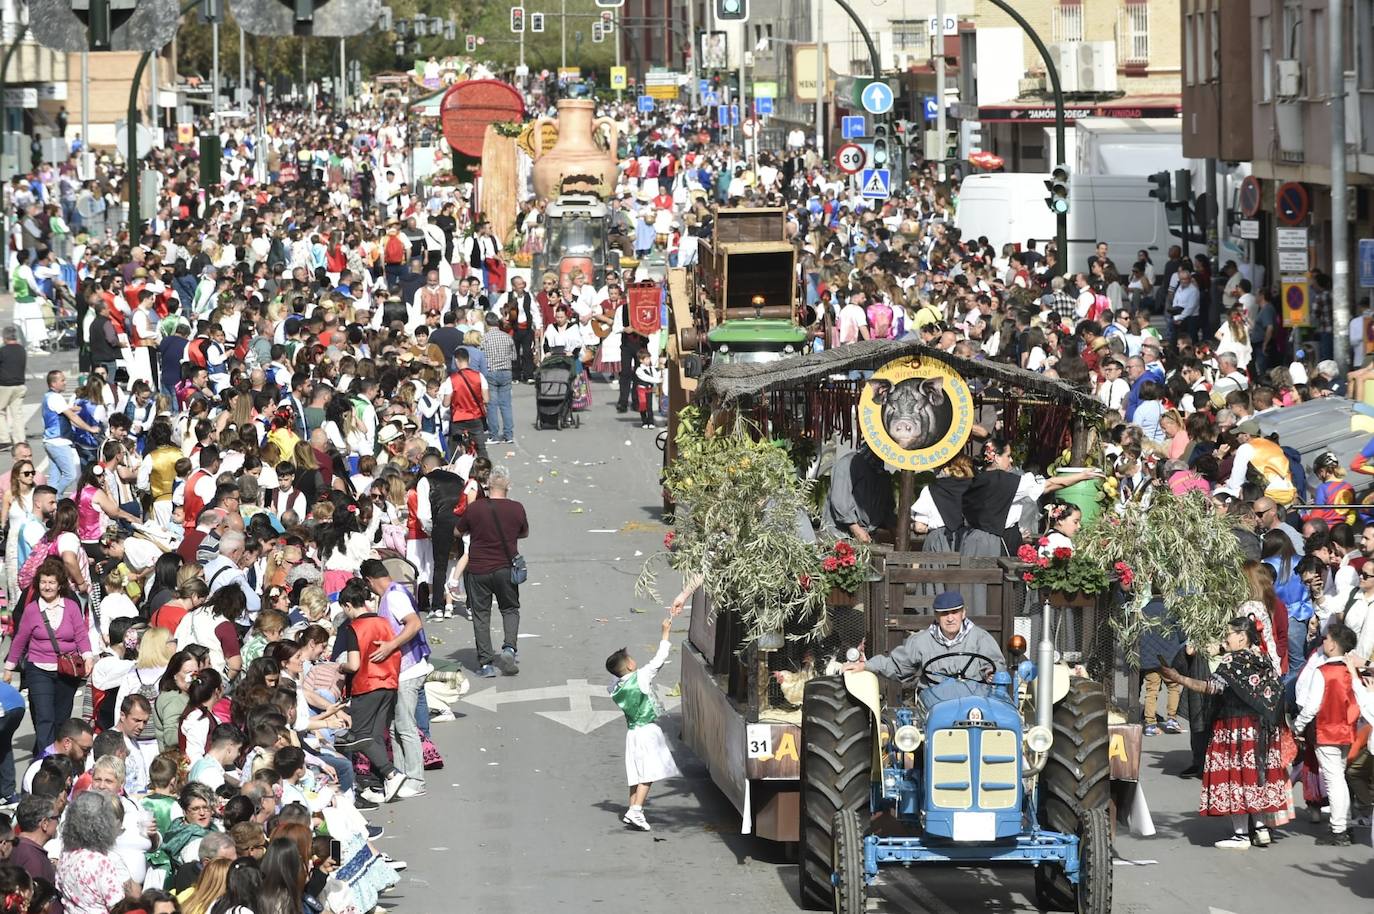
(1117, 209)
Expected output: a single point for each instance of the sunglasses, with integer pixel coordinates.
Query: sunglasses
(1367, 577)
(27, 474)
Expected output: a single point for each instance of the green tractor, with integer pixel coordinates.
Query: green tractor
(1005, 768)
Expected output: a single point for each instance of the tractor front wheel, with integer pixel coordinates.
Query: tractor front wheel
(848, 862)
(1076, 781)
(837, 752)
(1093, 893)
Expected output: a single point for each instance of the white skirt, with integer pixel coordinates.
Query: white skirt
(647, 756)
(421, 555)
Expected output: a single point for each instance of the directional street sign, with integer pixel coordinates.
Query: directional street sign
(852, 126)
(932, 108)
(850, 157)
(1366, 249)
(876, 98)
(710, 98)
(646, 104)
(763, 106)
(876, 184)
(703, 86)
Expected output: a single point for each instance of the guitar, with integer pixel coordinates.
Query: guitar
(602, 324)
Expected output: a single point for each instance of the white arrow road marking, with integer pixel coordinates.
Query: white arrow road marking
(580, 716)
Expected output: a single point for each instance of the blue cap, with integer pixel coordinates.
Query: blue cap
(950, 599)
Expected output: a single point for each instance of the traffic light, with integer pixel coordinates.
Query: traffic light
(1058, 186)
(536, 22)
(212, 10)
(1162, 189)
(1183, 186)
(972, 136)
(610, 4)
(598, 35)
(607, 22)
(103, 25)
(879, 157)
(471, 44)
(730, 10)
(517, 19)
(951, 148)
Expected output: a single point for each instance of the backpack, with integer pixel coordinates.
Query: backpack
(1101, 305)
(37, 557)
(395, 251)
(195, 352)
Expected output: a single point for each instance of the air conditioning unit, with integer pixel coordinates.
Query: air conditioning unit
(1097, 66)
(1289, 73)
(1064, 54)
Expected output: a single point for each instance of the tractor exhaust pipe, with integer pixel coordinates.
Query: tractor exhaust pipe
(1044, 673)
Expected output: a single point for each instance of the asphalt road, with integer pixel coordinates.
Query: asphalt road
(525, 814)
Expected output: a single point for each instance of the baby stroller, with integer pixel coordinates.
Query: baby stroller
(553, 391)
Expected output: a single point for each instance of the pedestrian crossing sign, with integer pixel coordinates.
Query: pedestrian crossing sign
(876, 184)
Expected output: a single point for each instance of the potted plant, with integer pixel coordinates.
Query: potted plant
(1068, 577)
(844, 569)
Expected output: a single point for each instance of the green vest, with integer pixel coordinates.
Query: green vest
(20, 287)
(637, 704)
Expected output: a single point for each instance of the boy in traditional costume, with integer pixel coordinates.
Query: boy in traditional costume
(647, 757)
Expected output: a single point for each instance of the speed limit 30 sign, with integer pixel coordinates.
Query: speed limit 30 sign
(850, 158)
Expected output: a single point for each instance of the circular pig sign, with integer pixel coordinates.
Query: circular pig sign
(916, 413)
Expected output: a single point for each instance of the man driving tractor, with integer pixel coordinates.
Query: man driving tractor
(949, 642)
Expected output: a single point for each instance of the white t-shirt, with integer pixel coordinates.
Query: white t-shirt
(852, 319)
(58, 404)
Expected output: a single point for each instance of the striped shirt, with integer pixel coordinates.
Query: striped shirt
(499, 349)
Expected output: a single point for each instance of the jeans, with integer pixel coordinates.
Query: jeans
(499, 413)
(8, 724)
(343, 769)
(481, 589)
(50, 703)
(66, 466)
(372, 713)
(422, 715)
(406, 732)
(1331, 760)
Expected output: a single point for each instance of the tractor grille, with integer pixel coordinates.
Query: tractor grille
(951, 781)
(951, 771)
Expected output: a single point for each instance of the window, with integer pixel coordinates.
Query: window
(1265, 25)
(910, 36)
(1133, 33)
(1067, 23)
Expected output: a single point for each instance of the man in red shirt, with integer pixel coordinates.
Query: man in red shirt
(465, 398)
(371, 682)
(496, 523)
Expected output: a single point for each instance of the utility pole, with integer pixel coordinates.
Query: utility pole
(214, 81)
(563, 31)
(693, 84)
(343, 75)
(940, 88)
(243, 70)
(1340, 229)
(152, 92)
(820, 77)
(85, 173)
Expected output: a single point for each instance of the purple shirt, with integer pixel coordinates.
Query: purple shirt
(31, 641)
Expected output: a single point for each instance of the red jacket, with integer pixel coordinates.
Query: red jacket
(1339, 712)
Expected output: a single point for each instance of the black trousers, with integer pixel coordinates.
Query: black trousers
(475, 429)
(481, 589)
(372, 713)
(524, 355)
(630, 344)
(442, 539)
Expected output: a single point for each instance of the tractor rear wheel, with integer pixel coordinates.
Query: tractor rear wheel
(848, 861)
(837, 752)
(1076, 779)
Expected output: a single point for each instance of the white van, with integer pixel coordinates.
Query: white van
(1117, 209)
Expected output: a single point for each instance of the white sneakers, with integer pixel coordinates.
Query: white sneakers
(634, 816)
(392, 786)
(1237, 842)
(408, 791)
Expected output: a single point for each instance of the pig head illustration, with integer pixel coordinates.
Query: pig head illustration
(911, 410)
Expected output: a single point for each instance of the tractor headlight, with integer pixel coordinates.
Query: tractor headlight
(907, 738)
(1039, 739)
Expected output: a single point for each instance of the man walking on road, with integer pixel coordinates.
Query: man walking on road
(496, 524)
(397, 607)
(436, 495)
(499, 349)
(59, 415)
(13, 361)
(466, 399)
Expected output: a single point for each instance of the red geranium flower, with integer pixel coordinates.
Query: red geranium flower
(1028, 577)
(1063, 552)
(831, 563)
(669, 538)
(805, 581)
(1043, 541)
(1026, 553)
(842, 548)
(847, 561)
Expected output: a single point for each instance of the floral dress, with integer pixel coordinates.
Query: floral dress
(1245, 769)
(90, 882)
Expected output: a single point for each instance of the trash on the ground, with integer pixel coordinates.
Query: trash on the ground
(636, 609)
(576, 510)
(629, 443)
(638, 553)
(601, 620)
(553, 472)
(676, 691)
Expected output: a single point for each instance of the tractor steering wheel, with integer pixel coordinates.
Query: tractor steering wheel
(928, 677)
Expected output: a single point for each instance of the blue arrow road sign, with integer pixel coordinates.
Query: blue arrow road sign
(932, 108)
(763, 106)
(734, 115)
(852, 126)
(703, 86)
(646, 104)
(877, 98)
(877, 184)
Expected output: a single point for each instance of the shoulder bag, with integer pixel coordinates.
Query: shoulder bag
(518, 571)
(70, 663)
(476, 396)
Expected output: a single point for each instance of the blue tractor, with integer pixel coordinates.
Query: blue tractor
(1009, 768)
